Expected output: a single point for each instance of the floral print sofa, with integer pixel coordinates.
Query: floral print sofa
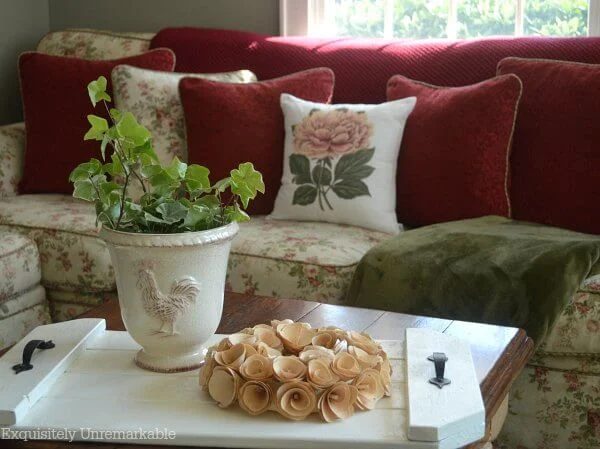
(555, 404)
(279, 258)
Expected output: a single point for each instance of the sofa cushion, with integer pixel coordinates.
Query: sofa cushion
(23, 304)
(55, 117)
(72, 257)
(297, 260)
(556, 143)
(289, 259)
(94, 44)
(454, 160)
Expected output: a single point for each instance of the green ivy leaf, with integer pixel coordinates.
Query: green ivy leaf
(99, 127)
(153, 219)
(196, 178)
(108, 216)
(321, 175)
(97, 90)
(300, 168)
(145, 153)
(86, 170)
(197, 216)
(176, 169)
(353, 165)
(235, 213)
(148, 171)
(114, 168)
(105, 141)
(84, 190)
(222, 185)
(210, 201)
(159, 177)
(110, 193)
(132, 131)
(350, 188)
(305, 195)
(116, 114)
(246, 182)
(166, 191)
(172, 211)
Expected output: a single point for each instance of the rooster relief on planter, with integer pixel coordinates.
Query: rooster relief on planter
(167, 307)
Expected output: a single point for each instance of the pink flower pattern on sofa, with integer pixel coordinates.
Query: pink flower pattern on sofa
(12, 141)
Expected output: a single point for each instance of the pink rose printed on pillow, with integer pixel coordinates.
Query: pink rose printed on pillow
(331, 154)
(339, 162)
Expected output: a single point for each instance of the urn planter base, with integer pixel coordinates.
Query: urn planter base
(175, 364)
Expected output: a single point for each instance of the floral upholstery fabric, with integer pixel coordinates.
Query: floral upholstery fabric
(297, 260)
(94, 44)
(67, 305)
(555, 402)
(577, 331)
(23, 304)
(12, 145)
(553, 409)
(19, 265)
(72, 258)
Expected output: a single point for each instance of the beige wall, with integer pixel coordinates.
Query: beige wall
(261, 16)
(22, 24)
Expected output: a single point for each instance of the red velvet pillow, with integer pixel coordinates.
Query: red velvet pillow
(55, 107)
(556, 150)
(227, 124)
(454, 157)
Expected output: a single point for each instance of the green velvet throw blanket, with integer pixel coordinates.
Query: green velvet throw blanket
(489, 270)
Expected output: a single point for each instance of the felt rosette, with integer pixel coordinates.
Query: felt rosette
(295, 370)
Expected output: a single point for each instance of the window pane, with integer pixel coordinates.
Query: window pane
(420, 19)
(359, 18)
(412, 18)
(556, 17)
(485, 18)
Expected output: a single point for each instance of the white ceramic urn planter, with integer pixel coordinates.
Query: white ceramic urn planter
(171, 289)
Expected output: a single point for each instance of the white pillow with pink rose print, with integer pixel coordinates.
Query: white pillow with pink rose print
(340, 162)
(153, 99)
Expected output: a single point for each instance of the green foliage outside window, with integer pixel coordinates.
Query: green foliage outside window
(419, 19)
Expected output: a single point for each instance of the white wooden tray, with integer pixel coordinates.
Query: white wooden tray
(89, 382)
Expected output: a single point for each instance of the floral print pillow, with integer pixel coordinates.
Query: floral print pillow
(340, 162)
(153, 98)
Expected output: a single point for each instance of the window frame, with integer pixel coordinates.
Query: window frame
(305, 18)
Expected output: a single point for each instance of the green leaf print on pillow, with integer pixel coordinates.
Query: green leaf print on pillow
(331, 153)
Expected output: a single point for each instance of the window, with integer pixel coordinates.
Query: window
(420, 19)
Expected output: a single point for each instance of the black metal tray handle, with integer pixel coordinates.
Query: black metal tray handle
(28, 351)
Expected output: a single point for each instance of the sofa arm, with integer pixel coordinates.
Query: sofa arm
(12, 152)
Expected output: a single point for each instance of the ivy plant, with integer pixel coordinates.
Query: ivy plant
(177, 197)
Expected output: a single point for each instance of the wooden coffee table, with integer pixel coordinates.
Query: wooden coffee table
(499, 353)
